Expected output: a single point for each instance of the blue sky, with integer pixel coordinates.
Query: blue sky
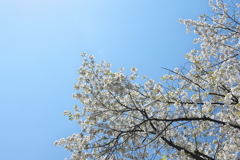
(40, 46)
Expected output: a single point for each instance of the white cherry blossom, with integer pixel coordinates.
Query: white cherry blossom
(196, 117)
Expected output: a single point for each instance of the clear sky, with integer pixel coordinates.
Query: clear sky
(40, 46)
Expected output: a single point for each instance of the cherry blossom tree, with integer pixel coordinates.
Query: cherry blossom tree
(193, 114)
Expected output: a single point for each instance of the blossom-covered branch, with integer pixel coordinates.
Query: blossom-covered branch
(197, 116)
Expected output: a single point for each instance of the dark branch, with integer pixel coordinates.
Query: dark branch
(195, 119)
(193, 155)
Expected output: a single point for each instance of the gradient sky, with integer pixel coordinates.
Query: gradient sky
(40, 46)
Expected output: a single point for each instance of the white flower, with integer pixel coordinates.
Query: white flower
(133, 69)
(144, 77)
(83, 54)
(91, 57)
(121, 69)
(180, 20)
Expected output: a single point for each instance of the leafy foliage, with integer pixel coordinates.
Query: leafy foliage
(196, 117)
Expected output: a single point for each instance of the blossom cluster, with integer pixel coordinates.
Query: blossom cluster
(197, 117)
